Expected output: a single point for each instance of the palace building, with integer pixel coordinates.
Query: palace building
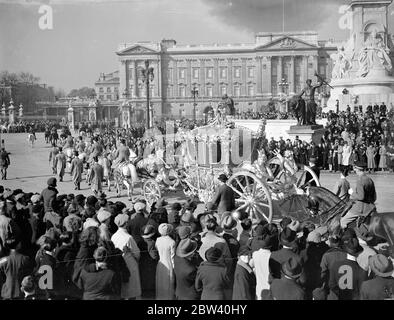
(275, 66)
(267, 71)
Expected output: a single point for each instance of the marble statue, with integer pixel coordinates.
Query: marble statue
(374, 54)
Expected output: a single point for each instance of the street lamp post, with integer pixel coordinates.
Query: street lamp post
(283, 84)
(194, 95)
(147, 76)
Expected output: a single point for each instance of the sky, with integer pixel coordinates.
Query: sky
(86, 33)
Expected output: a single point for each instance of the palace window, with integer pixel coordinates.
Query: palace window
(209, 92)
(182, 73)
(101, 89)
(142, 90)
(237, 91)
(209, 73)
(250, 72)
(169, 92)
(108, 89)
(101, 97)
(109, 97)
(169, 74)
(223, 90)
(182, 91)
(251, 90)
(152, 90)
(223, 72)
(195, 73)
(116, 89)
(237, 72)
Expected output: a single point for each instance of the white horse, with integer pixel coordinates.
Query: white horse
(69, 152)
(31, 138)
(125, 174)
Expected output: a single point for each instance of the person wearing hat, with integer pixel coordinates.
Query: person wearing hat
(14, 267)
(104, 217)
(96, 177)
(173, 214)
(311, 256)
(73, 222)
(4, 163)
(165, 277)
(61, 161)
(124, 242)
(48, 195)
(229, 224)
(148, 261)
(261, 246)
(381, 287)
(346, 276)
(29, 289)
(288, 238)
(137, 221)
(97, 280)
(211, 239)
(185, 269)
(76, 170)
(244, 287)
(287, 288)
(212, 277)
(308, 177)
(363, 197)
(364, 237)
(224, 196)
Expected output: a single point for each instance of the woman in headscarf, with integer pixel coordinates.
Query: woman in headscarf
(165, 277)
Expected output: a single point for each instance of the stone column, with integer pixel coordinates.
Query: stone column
(175, 77)
(158, 78)
(291, 76)
(243, 76)
(122, 78)
(127, 74)
(44, 113)
(267, 76)
(188, 76)
(202, 73)
(216, 91)
(280, 69)
(259, 76)
(135, 79)
(230, 77)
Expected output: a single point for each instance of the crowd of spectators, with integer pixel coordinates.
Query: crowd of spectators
(98, 249)
(350, 137)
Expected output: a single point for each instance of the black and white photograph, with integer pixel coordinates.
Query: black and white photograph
(196, 155)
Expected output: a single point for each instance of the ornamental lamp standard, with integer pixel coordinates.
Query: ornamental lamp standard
(147, 76)
(194, 93)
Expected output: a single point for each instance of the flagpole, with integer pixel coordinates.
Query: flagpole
(283, 16)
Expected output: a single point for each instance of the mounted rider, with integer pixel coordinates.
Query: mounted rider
(122, 154)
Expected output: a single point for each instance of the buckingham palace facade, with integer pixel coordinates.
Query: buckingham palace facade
(275, 66)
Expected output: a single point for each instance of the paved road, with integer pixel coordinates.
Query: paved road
(30, 169)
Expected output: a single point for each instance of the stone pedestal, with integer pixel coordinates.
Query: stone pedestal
(11, 112)
(92, 114)
(126, 117)
(308, 133)
(70, 118)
